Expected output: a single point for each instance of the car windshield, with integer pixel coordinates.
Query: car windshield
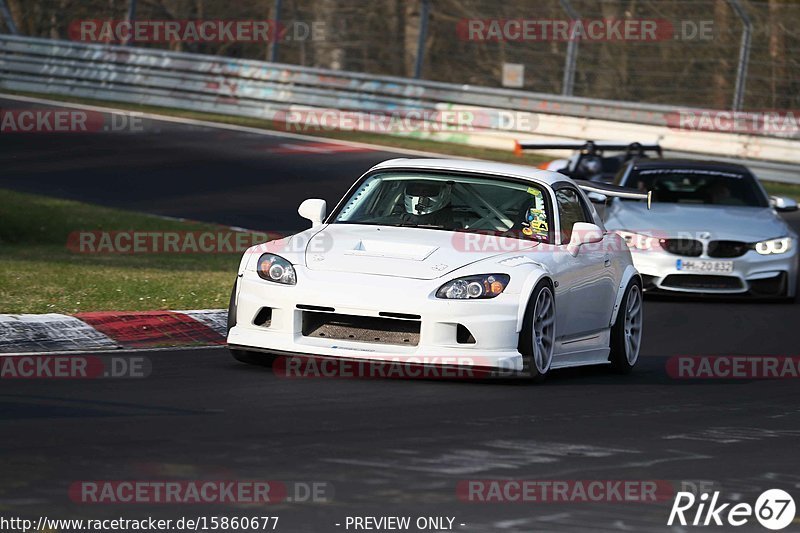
(698, 186)
(449, 202)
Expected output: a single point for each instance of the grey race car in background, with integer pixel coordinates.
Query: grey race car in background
(712, 229)
(597, 161)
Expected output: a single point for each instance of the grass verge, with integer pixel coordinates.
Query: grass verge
(39, 274)
(782, 189)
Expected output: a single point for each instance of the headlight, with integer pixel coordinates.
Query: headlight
(774, 246)
(275, 268)
(474, 287)
(639, 241)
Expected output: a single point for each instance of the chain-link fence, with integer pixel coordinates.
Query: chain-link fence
(681, 52)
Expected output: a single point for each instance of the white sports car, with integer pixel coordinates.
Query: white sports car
(446, 262)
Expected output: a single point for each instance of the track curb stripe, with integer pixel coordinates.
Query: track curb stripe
(111, 330)
(152, 328)
(49, 333)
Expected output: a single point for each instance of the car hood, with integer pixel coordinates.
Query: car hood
(749, 224)
(402, 252)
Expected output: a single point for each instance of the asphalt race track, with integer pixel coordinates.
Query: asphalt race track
(215, 175)
(383, 446)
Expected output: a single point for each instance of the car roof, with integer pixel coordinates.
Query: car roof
(487, 168)
(690, 163)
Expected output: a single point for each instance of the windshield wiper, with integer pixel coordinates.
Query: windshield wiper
(415, 225)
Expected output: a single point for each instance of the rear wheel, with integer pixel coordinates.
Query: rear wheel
(243, 356)
(626, 334)
(537, 339)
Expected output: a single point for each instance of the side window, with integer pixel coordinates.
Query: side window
(570, 211)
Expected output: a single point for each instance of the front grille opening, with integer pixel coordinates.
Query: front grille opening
(464, 335)
(263, 317)
(685, 247)
(775, 286)
(702, 281)
(375, 330)
(727, 249)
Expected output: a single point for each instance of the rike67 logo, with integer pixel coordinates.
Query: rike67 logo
(774, 509)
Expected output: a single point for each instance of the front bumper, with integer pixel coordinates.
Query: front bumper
(363, 298)
(753, 274)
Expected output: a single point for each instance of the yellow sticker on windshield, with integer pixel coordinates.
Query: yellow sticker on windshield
(535, 222)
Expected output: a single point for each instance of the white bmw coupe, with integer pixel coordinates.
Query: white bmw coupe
(712, 231)
(446, 262)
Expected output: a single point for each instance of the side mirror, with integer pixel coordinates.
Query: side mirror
(783, 203)
(583, 233)
(314, 210)
(596, 197)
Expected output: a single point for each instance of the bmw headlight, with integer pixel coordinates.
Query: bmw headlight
(774, 246)
(275, 268)
(474, 287)
(638, 241)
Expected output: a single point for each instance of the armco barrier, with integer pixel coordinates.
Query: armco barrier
(264, 90)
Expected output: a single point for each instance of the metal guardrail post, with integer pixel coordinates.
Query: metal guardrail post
(744, 54)
(131, 17)
(571, 61)
(7, 18)
(273, 53)
(425, 8)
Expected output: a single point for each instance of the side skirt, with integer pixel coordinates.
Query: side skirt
(581, 350)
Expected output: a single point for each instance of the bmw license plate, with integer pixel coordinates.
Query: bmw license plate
(691, 265)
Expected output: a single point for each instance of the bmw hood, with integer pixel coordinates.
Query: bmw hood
(748, 224)
(402, 252)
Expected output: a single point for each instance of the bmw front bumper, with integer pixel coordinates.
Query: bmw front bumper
(752, 274)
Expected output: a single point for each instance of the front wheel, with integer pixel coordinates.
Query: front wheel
(537, 339)
(626, 333)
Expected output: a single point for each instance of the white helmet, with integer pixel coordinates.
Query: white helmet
(426, 197)
(591, 165)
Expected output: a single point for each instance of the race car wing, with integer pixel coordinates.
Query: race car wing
(615, 191)
(589, 146)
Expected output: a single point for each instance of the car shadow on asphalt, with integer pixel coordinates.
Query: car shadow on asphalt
(650, 370)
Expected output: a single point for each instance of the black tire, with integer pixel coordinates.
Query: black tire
(243, 356)
(620, 361)
(527, 335)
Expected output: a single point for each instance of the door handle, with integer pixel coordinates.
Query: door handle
(607, 260)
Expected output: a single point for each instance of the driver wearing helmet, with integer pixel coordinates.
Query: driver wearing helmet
(591, 168)
(428, 203)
